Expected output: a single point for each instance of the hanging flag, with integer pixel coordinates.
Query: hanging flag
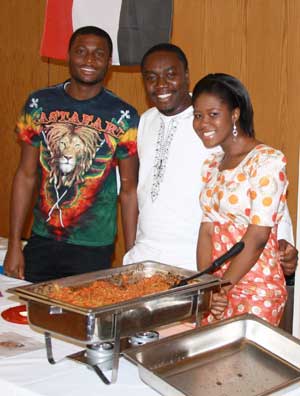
(134, 25)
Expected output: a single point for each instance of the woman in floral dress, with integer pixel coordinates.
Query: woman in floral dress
(243, 199)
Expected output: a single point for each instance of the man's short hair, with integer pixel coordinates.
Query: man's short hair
(166, 47)
(96, 31)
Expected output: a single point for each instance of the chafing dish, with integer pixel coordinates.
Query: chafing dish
(241, 356)
(111, 322)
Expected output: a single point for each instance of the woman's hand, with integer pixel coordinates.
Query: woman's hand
(218, 304)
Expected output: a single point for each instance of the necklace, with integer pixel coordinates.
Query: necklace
(164, 140)
(66, 84)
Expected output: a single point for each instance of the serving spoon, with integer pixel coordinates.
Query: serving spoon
(233, 251)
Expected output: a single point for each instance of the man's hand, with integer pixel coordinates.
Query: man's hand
(288, 257)
(14, 262)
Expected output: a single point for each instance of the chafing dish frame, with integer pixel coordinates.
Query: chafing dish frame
(196, 294)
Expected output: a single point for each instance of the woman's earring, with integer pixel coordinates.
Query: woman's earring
(234, 131)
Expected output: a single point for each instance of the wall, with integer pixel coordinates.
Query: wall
(256, 40)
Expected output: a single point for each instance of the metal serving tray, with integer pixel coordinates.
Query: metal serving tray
(89, 325)
(244, 356)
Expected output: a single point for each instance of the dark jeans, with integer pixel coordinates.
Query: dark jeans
(47, 259)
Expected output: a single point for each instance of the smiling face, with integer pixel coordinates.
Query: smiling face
(89, 59)
(166, 82)
(213, 120)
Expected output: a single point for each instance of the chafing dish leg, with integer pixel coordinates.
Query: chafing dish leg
(100, 373)
(116, 325)
(51, 360)
(48, 343)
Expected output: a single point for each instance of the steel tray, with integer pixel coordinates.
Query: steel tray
(236, 357)
(89, 325)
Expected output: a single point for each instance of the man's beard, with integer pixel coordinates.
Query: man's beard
(92, 82)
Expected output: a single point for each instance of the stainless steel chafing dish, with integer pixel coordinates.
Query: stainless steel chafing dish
(240, 356)
(112, 322)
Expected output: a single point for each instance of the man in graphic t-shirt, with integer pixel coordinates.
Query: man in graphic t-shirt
(72, 137)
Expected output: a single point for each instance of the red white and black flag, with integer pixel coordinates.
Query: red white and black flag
(134, 25)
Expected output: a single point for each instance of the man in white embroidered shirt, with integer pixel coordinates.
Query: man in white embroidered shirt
(171, 157)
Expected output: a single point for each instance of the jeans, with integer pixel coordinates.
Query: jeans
(47, 259)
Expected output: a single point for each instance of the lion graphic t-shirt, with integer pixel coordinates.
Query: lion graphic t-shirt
(80, 142)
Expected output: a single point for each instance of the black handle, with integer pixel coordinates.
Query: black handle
(237, 248)
(234, 250)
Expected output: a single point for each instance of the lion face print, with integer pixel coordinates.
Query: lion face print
(72, 150)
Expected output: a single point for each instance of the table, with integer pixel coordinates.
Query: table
(30, 374)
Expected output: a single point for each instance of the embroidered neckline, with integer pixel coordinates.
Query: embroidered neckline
(163, 143)
(164, 140)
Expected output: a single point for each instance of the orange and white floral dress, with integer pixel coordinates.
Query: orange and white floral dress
(252, 193)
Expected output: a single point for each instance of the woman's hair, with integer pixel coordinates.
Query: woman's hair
(232, 92)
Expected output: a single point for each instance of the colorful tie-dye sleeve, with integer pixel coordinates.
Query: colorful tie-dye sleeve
(127, 145)
(269, 183)
(28, 131)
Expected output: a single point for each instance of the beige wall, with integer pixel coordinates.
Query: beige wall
(256, 40)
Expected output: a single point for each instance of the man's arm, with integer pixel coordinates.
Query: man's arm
(21, 195)
(288, 257)
(288, 252)
(128, 197)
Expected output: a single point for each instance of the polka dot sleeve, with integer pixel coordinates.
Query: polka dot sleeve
(268, 185)
(207, 168)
